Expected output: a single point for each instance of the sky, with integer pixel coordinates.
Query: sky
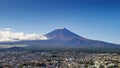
(93, 19)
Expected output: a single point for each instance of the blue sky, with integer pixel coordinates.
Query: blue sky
(94, 19)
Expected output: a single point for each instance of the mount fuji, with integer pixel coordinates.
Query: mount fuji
(64, 38)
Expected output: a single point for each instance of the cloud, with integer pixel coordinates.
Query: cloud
(7, 29)
(8, 35)
(9, 46)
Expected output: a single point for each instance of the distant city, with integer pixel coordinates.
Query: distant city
(58, 59)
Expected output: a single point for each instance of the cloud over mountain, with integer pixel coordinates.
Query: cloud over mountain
(57, 39)
(8, 35)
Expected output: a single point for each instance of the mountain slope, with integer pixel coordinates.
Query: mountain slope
(63, 38)
(63, 34)
(69, 38)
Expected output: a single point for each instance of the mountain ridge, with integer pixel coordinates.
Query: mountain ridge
(62, 34)
(64, 38)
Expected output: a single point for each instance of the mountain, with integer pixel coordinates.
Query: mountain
(64, 38)
(68, 38)
(63, 34)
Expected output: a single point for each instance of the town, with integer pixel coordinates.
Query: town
(58, 59)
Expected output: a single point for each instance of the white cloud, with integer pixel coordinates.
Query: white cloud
(9, 46)
(7, 29)
(8, 35)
